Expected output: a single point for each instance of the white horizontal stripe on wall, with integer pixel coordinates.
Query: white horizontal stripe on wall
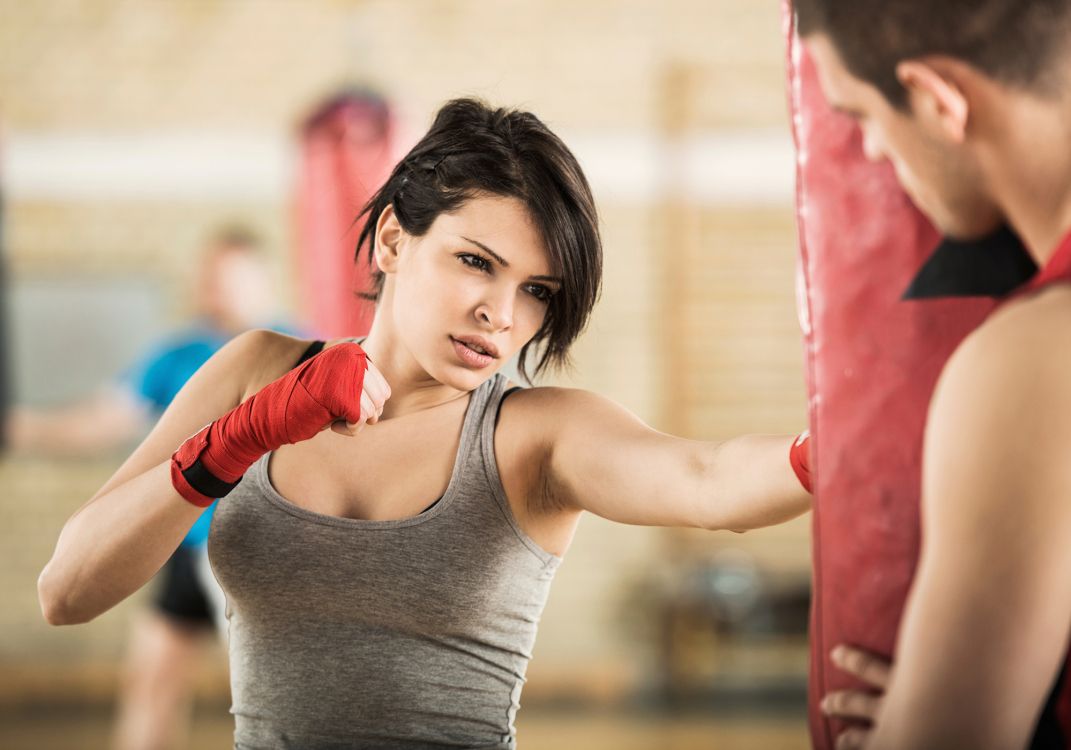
(723, 168)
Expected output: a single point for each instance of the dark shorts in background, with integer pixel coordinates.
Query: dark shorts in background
(179, 593)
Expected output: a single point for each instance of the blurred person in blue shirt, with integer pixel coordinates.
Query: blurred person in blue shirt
(234, 292)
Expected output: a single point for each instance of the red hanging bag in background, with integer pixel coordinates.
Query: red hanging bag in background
(872, 361)
(346, 155)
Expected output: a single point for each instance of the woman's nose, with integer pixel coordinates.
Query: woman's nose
(496, 316)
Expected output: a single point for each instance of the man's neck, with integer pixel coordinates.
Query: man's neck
(1030, 171)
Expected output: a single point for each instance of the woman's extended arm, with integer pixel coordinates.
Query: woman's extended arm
(122, 536)
(603, 459)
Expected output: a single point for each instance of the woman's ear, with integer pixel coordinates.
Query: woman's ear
(389, 235)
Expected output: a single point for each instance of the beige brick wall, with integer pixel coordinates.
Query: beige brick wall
(706, 310)
(134, 64)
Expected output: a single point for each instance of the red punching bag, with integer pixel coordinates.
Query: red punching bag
(872, 361)
(346, 155)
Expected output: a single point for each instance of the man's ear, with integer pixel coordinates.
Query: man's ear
(937, 96)
(389, 235)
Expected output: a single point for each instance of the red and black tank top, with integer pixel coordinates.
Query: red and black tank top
(1054, 726)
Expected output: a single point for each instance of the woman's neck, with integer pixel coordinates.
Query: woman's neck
(412, 388)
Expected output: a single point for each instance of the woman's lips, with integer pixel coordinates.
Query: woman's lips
(471, 357)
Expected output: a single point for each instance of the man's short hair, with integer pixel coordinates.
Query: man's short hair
(235, 236)
(1013, 41)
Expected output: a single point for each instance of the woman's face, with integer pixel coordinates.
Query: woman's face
(479, 279)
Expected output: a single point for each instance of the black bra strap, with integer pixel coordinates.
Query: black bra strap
(314, 348)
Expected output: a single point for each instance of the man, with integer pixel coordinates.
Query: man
(971, 103)
(233, 292)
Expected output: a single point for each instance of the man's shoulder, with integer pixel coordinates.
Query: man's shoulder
(1018, 338)
(194, 336)
(198, 337)
(1046, 310)
(1000, 423)
(161, 371)
(1005, 396)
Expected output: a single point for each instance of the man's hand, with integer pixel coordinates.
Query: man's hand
(857, 705)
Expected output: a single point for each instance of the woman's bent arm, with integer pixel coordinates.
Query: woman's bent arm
(113, 545)
(121, 537)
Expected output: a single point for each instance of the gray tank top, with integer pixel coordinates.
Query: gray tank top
(414, 633)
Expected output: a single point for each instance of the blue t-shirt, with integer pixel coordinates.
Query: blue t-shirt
(160, 375)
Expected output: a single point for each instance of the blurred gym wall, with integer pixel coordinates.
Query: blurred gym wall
(132, 128)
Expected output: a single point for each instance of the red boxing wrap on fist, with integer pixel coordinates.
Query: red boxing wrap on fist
(799, 455)
(293, 408)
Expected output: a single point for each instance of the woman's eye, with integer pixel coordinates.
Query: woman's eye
(540, 292)
(475, 261)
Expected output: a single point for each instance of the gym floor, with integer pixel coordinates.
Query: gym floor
(540, 729)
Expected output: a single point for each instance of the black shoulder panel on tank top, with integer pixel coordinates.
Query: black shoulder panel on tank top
(314, 348)
(498, 411)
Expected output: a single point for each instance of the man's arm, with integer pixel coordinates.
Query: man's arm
(988, 619)
(603, 459)
(110, 418)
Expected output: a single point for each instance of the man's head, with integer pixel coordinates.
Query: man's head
(1012, 41)
(930, 83)
(234, 286)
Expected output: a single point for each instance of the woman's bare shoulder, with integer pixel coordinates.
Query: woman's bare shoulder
(549, 408)
(557, 400)
(264, 355)
(547, 417)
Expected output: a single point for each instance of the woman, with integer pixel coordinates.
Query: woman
(362, 613)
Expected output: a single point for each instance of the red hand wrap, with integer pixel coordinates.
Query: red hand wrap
(291, 409)
(800, 458)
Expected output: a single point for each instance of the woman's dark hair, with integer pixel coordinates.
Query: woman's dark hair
(1010, 40)
(472, 149)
